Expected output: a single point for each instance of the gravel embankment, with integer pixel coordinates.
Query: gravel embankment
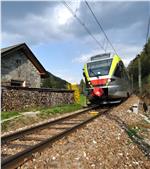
(101, 144)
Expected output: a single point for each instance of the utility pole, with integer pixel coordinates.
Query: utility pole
(140, 81)
(132, 81)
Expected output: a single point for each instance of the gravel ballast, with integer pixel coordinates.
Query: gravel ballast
(101, 144)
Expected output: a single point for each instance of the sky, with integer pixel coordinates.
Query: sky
(61, 43)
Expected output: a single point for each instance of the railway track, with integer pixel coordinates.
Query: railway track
(18, 147)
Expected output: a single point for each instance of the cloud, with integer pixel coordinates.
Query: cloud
(55, 23)
(86, 57)
(126, 52)
(38, 28)
(112, 15)
(50, 25)
(6, 36)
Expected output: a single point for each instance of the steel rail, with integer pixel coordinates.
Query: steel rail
(17, 159)
(18, 134)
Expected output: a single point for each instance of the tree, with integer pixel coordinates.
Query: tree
(54, 82)
(82, 86)
(144, 57)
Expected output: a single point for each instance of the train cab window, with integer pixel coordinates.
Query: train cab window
(99, 68)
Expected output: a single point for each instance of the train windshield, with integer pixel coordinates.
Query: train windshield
(99, 68)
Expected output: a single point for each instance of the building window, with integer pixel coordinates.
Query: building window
(16, 83)
(18, 62)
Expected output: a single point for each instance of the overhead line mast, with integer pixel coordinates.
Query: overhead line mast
(100, 26)
(83, 24)
(148, 30)
(148, 27)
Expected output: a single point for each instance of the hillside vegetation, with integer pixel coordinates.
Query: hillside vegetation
(54, 82)
(144, 57)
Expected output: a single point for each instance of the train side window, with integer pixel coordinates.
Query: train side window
(84, 74)
(118, 71)
(126, 75)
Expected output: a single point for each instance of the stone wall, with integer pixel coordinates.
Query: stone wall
(20, 98)
(16, 66)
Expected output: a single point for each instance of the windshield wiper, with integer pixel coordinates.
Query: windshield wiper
(94, 73)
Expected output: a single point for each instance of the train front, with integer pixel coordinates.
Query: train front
(97, 78)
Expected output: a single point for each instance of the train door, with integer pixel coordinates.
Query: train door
(120, 82)
(124, 80)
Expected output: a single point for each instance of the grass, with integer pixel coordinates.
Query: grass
(49, 110)
(7, 115)
(64, 108)
(45, 113)
(60, 109)
(134, 132)
(46, 110)
(82, 100)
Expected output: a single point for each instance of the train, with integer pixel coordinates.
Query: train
(106, 79)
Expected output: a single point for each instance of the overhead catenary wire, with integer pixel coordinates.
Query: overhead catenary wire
(83, 24)
(97, 21)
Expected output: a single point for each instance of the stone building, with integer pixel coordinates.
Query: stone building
(20, 67)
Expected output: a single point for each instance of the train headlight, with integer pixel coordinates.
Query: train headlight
(110, 80)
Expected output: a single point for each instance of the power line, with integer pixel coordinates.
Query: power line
(100, 25)
(82, 23)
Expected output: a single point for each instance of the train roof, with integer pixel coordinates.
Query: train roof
(104, 56)
(101, 56)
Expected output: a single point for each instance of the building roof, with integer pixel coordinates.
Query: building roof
(10, 47)
(23, 47)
